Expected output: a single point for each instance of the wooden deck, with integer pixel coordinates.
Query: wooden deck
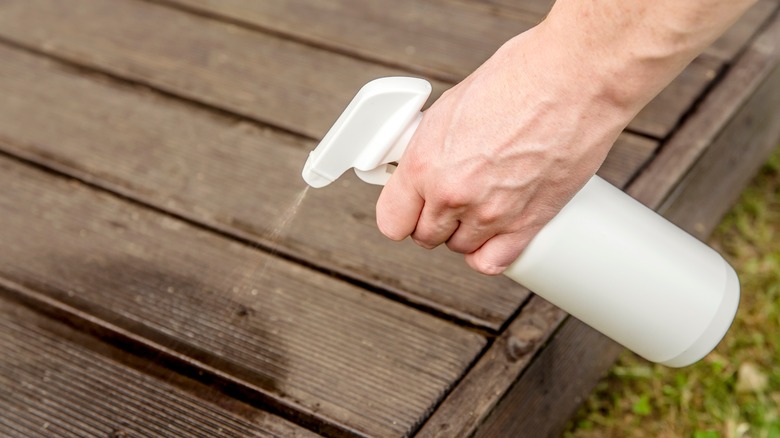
(157, 277)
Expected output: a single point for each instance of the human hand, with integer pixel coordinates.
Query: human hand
(498, 155)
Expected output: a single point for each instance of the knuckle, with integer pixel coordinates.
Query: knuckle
(488, 215)
(451, 197)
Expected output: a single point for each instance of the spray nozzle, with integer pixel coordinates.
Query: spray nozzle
(371, 133)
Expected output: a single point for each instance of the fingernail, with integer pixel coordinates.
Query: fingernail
(423, 244)
(493, 269)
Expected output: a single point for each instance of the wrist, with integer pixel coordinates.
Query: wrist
(573, 77)
(622, 74)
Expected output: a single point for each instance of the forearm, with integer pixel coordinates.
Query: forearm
(633, 49)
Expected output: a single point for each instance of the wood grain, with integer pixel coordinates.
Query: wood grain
(438, 38)
(56, 381)
(241, 179)
(261, 76)
(661, 116)
(537, 8)
(314, 348)
(304, 342)
(446, 39)
(495, 372)
(541, 402)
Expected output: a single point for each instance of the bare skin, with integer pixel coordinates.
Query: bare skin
(499, 154)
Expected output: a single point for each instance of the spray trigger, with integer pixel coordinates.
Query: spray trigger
(371, 134)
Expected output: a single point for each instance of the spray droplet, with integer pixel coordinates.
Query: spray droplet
(280, 229)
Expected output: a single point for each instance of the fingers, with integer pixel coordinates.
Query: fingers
(435, 226)
(398, 208)
(497, 253)
(401, 211)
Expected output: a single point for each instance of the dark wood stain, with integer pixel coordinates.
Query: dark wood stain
(93, 388)
(307, 341)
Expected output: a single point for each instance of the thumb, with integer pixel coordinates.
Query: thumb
(495, 255)
(398, 207)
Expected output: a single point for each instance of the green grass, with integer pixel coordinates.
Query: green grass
(735, 391)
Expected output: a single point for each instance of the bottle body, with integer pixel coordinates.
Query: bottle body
(632, 275)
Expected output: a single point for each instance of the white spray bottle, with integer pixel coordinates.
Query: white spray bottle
(605, 258)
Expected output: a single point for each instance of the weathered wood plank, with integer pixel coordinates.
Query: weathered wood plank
(269, 78)
(716, 180)
(541, 402)
(56, 381)
(549, 391)
(537, 8)
(439, 38)
(263, 77)
(627, 156)
(239, 178)
(304, 342)
(730, 43)
(680, 153)
(659, 117)
(446, 39)
(493, 375)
